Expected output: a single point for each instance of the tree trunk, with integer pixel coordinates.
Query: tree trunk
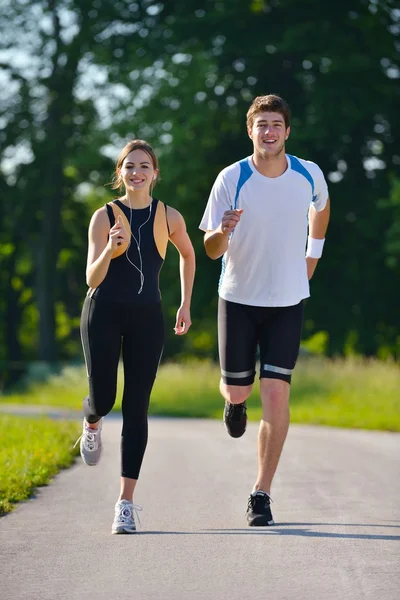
(59, 128)
(14, 367)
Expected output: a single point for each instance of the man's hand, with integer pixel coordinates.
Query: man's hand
(311, 266)
(230, 219)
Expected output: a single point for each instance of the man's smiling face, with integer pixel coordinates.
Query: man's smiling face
(269, 134)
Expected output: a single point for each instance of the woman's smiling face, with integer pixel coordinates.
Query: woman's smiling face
(137, 170)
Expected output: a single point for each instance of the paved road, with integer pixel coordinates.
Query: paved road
(336, 503)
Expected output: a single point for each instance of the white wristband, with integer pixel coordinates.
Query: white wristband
(314, 247)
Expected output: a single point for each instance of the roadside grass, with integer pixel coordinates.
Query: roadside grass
(352, 392)
(32, 451)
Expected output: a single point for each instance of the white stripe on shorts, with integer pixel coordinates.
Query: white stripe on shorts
(279, 370)
(237, 375)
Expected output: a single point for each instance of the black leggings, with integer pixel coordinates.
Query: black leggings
(105, 326)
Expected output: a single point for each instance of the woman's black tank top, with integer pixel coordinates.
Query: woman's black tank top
(123, 282)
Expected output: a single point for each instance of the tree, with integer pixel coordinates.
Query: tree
(338, 68)
(57, 59)
(81, 77)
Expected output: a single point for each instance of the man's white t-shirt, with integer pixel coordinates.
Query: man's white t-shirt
(265, 262)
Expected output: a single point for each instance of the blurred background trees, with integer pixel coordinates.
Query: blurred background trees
(78, 78)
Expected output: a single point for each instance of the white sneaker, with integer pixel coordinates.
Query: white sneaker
(90, 443)
(124, 520)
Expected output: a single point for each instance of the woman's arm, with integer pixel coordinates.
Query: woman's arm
(102, 242)
(187, 265)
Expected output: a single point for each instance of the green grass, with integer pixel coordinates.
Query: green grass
(351, 393)
(32, 451)
(355, 392)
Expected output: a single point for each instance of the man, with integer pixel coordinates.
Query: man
(256, 218)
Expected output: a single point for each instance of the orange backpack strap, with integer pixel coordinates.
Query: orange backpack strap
(116, 212)
(160, 229)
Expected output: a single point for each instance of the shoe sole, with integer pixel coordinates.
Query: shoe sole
(122, 531)
(90, 464)
(261, 522)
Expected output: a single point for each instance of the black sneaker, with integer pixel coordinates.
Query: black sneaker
(259, 510)
(235, 419)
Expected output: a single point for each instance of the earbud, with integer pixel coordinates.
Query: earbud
(154, 177)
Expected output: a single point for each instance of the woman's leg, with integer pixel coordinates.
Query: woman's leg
(101, 341)
(141, 351)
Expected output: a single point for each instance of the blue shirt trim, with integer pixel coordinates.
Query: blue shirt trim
(222, 272)
(245, 174)
(299, 168)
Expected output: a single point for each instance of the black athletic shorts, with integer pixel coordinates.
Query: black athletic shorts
(242, 330)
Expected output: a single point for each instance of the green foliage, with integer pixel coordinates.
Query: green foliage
(350, 345)
(344, 118)
(392, 237)
(32, 451)
(317, 343)
(351, 392)
(354, 392)
(75, 89)
(52, 123)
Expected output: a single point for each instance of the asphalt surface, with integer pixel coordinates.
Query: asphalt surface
(336, 505)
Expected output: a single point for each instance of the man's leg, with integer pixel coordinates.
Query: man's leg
(235, 394)
(279, 346)
(274, 426)
(237, 341)
(235, 410)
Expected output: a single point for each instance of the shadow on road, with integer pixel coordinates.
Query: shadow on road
(337, 525)
(290, 529)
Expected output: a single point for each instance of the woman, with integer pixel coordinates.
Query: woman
(127, 244)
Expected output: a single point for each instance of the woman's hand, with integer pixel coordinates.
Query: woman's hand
(117, 235)
(183, 320)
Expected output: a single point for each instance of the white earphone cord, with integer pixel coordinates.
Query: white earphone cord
(137, 244)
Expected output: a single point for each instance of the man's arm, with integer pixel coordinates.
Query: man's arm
(216, 241)
(317, 226)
